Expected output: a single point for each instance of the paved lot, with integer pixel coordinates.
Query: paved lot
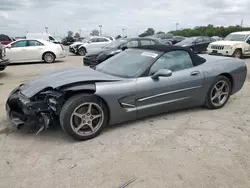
(190, 148)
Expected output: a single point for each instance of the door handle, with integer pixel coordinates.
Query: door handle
(195, 73)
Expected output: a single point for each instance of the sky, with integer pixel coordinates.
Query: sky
(20, 16)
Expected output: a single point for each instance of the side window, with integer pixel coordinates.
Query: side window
(145, 42)
(152, 42)
(132, 44)
(34, 43)
(93, 40)
(102, 40)
(19, 44)
(51, 38)
(174, 60)
(207, 39)
(199, 39)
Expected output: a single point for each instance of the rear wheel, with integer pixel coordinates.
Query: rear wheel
(219, 93)
(237, 54)
(49, 57)
(81, 51)
(84, 117)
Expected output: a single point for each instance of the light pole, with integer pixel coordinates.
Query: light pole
(123, 32)
(46, 28)
(177, 24)
(100, 30)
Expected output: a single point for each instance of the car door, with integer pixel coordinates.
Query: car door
(198, 44)
(102, 42)
(184, 88)
(206, 42)
(92, 43)
(17, 51)
(35, 50)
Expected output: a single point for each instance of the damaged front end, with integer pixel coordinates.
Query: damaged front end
(38, 112)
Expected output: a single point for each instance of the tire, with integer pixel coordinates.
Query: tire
(238, 54)
(210, 103)
(79, 104)
(81, 51)
(49, 57)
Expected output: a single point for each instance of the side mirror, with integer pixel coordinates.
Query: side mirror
(248, 41)
(162, 72)
(124, 48)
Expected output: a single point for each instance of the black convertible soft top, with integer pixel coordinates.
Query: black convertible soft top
(197, 60)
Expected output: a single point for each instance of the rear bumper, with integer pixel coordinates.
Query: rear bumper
(4, 63)
(61, 55)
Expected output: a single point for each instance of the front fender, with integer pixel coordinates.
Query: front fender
(79, 87)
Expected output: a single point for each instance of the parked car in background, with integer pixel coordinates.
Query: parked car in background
(43, 36)
(216, 38)
(95, 58)
(177, 39)
(196, 44)
(89, 44)
(33, 50)
(3, 61)
(5, 39)
(235, 44)
(165, 38)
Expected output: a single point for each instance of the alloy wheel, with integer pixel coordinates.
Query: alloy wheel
(81, 52)
(49, 58)
(86, 119)
(237, 54)
(220, 93)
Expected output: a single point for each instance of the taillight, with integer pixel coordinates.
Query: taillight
(62, 46)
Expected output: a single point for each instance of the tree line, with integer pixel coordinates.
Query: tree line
(209, 30)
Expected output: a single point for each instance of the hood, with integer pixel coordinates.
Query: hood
(226, 42)
(76, 43)
(64, 77)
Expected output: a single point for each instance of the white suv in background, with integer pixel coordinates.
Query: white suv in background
(89, 45)
(235, 44)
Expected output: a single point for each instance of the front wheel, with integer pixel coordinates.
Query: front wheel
(219, 93)
(81, 51)
(84, 116)
(237, 54)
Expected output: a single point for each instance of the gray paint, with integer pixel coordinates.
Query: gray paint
(129, 99)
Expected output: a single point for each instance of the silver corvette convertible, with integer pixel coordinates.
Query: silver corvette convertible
(133, 84)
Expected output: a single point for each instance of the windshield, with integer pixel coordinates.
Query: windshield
(236, 37)
(128, 63)
(187, 40)
(115, 44)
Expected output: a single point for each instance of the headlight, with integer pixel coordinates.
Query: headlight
(184, 45)
(228, 47)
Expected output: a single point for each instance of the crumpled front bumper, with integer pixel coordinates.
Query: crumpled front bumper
(23, 112)
(72, 49)
(4, 63)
